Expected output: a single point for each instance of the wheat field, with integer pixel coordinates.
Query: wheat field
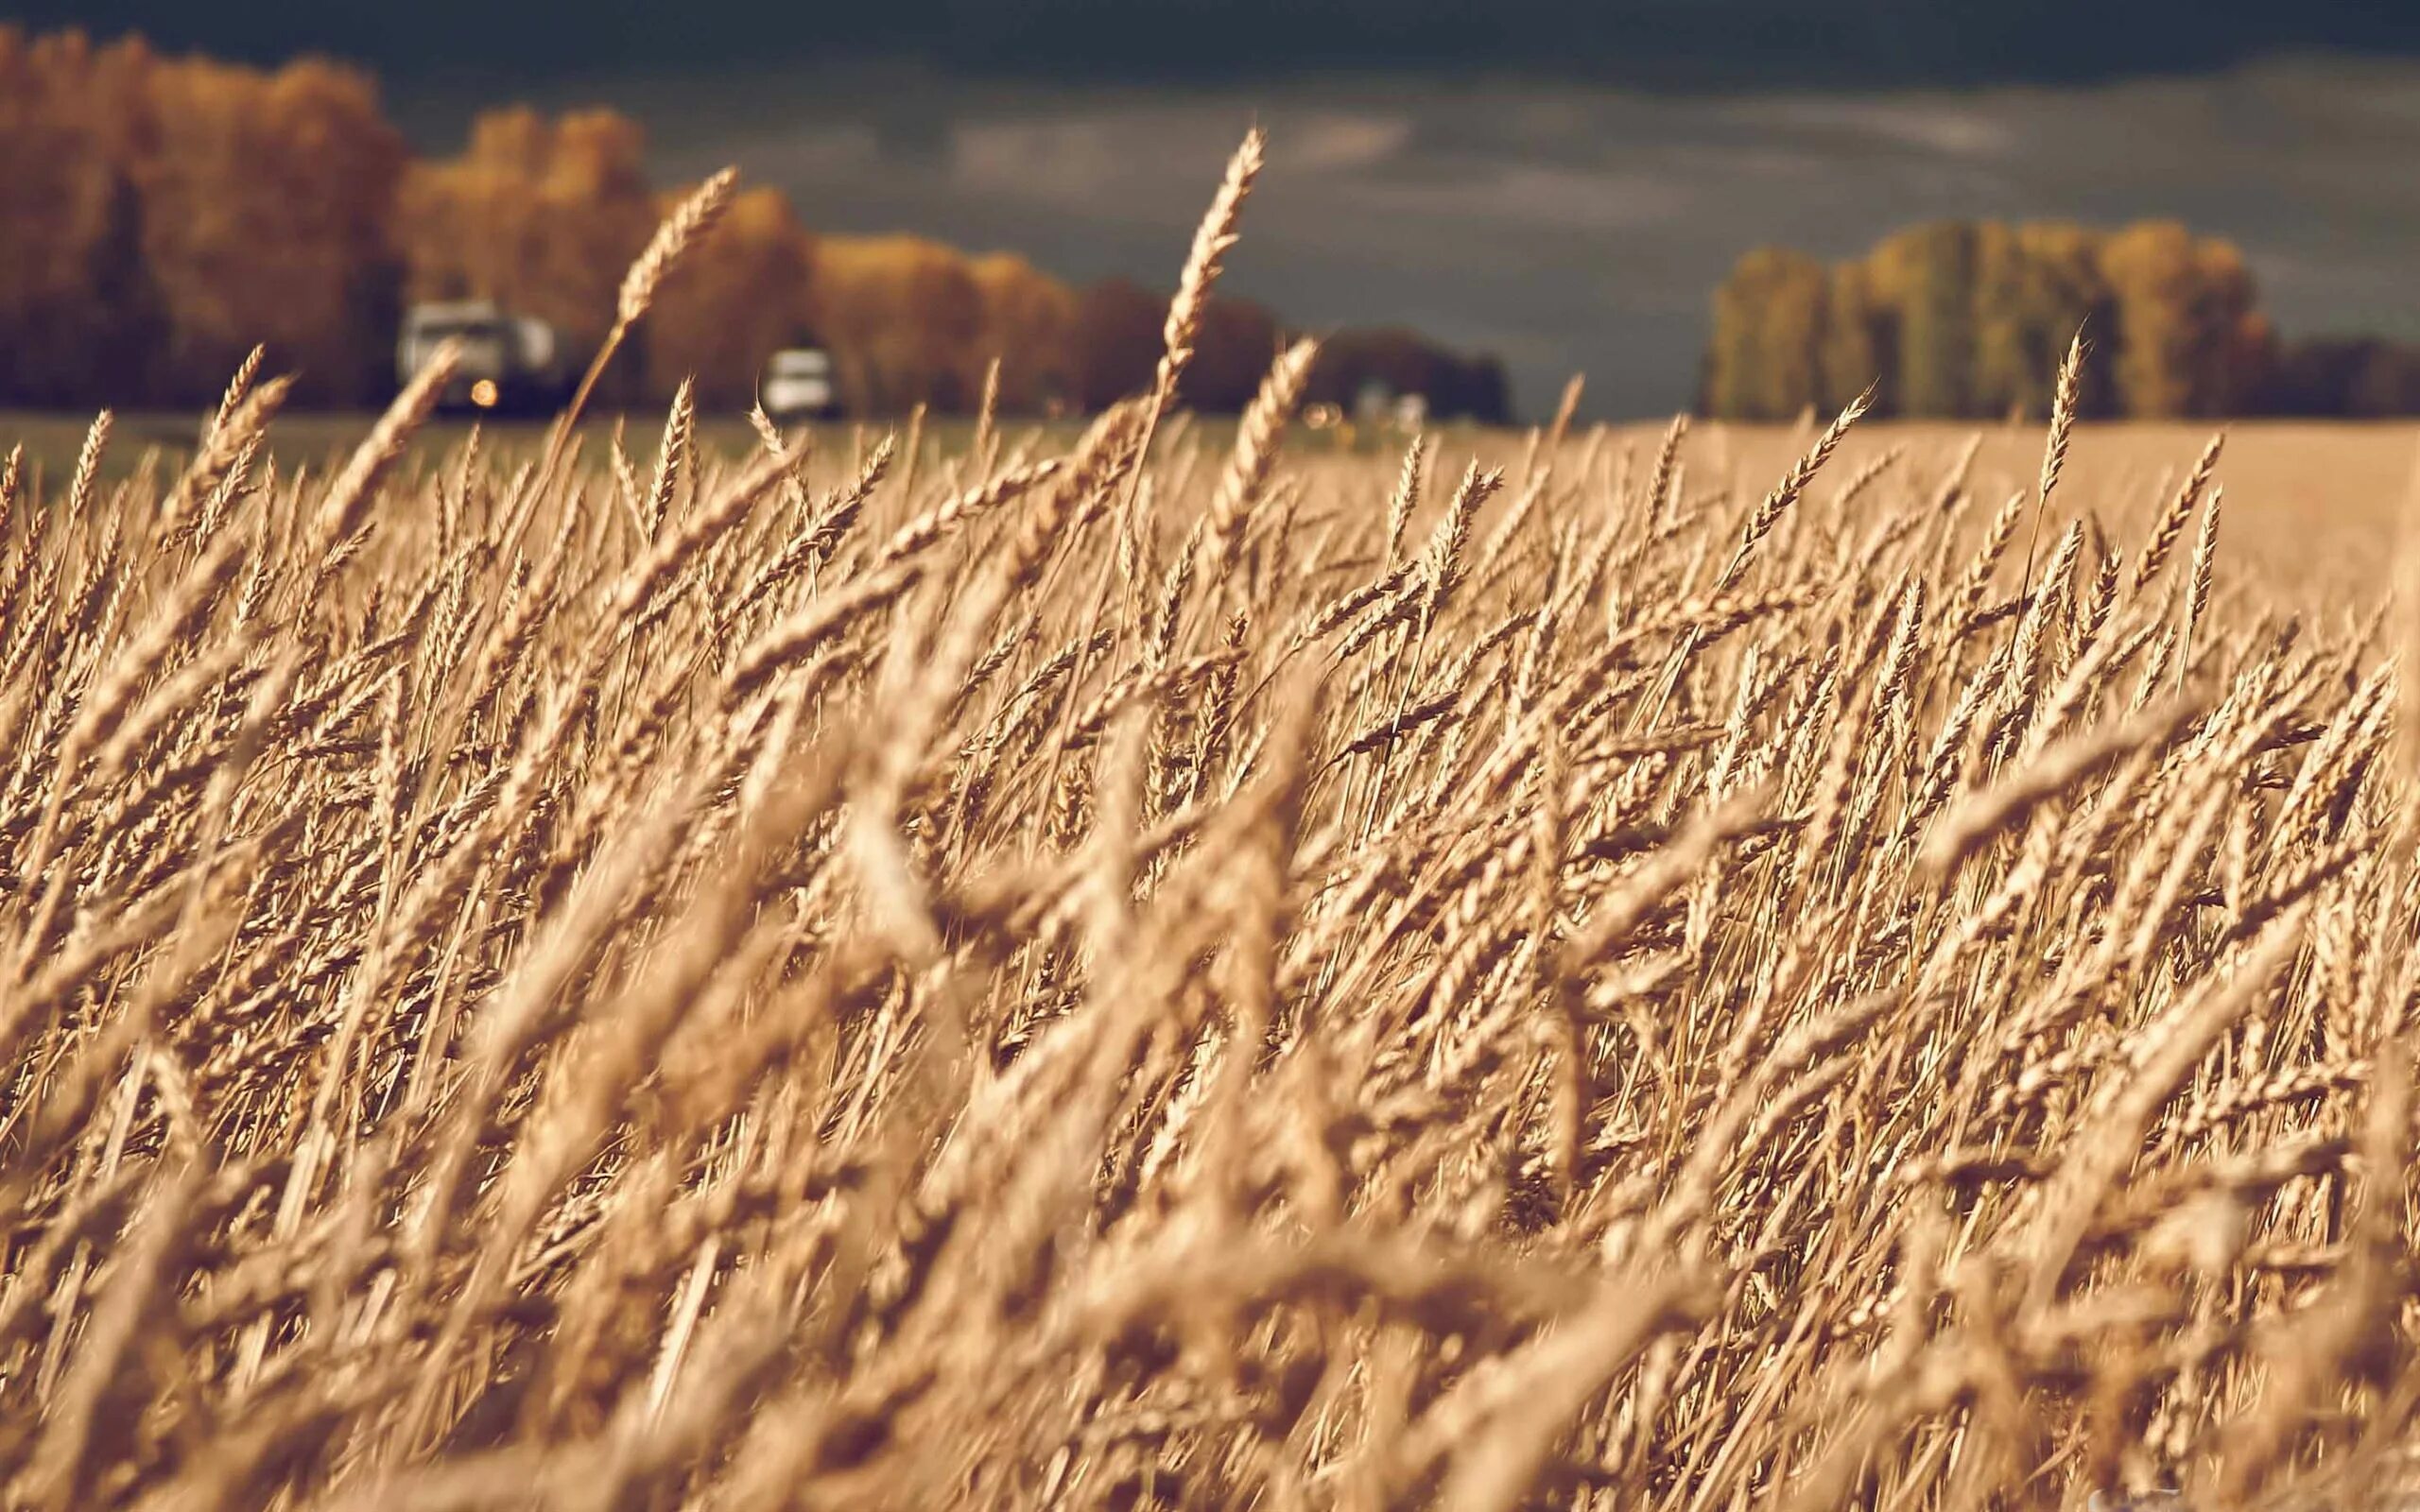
(1136, 973)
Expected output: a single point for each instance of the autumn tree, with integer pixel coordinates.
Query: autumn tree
(1231, 356)
(1118, 340)
(1477, 387)
(2151, 267)
(902, 316)
(2189, 342)
(2359, 376)
(739, 296)
(1966, 319)
(1856, 348)
(2058, 296)
(266, 205)
(1926, 275)
(1769, 324)
(2036, 288)
(79, 315)
(2384, 384)
(543, 216)
(1028, 323)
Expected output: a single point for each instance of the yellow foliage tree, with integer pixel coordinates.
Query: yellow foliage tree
(265, 219)
(740, 295)
(77, 312)
(543, 216)
(1231, 354)
(1769, 322)
(1858, 341)
(903, 316)
(1925, 274)
(2189, 342)
(1028, 323)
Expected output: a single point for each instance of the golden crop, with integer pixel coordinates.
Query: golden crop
(1143, 973)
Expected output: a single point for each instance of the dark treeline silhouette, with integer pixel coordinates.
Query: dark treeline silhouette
(1963, 319)
(161, 215)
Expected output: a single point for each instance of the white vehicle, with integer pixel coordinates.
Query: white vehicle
(1371, 403)
(798, 385)
(507, 363)
(1378, 406)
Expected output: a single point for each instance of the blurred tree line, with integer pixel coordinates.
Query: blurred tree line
(160, 215)
(1963, 319)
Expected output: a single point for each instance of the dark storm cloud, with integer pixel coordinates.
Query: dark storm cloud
(1569, 227)
(1651, 44)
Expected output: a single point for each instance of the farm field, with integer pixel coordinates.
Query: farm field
(2311, 507)
(728, 970)
(2315, 512)
(1138, 965)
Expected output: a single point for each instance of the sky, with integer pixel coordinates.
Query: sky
(1562, 183)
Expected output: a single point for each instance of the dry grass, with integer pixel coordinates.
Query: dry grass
(1125, 973)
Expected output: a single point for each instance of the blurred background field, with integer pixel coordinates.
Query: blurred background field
(2313, 506)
